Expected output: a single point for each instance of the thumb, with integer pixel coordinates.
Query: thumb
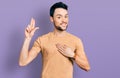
(36, 28)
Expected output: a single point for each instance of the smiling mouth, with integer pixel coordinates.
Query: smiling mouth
(63, 24)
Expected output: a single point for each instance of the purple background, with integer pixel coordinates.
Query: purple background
(96, 22)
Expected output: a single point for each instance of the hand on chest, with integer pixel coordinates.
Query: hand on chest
(51, 47)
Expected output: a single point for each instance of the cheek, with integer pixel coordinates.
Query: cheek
(57, 22)
(67, 20)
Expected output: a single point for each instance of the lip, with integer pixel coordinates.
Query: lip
(64, 24)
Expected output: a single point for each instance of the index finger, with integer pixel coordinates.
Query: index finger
(32, 23)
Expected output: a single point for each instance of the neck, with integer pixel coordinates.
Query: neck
(59, 33)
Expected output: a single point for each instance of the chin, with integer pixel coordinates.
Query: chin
(64, 29)
(61, 28)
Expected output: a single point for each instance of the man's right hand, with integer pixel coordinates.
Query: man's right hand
(30, 29)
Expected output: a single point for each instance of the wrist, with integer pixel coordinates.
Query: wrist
(73, 56)
(28, 38)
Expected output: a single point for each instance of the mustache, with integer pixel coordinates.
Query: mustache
(63, 23)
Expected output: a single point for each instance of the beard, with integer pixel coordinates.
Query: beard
(60, 28)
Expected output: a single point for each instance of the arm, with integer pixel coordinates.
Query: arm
(80, 57)
(27, 56)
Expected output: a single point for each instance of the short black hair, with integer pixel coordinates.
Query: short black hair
(57, 5)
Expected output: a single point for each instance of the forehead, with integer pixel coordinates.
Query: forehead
(60, 11)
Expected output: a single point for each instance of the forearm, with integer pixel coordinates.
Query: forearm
(24, 51)
(82, 63)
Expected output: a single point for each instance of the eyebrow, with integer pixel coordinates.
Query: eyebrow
(60, 14)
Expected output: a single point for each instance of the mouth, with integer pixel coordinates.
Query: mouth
(63, 24)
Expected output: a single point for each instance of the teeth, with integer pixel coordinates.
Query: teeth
(63, 24)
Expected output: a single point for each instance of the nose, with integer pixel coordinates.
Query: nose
(64, 19)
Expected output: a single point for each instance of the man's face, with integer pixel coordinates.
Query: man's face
(60, 19)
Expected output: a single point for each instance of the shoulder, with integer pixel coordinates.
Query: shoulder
(45, 36)
(73, 36)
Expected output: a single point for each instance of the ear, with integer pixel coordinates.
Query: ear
(51, 19)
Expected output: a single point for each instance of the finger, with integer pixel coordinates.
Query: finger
(32, 23)
(58, 44)
(28, 28)
(64, 46)
(36, 28)
(61, 51)
(60, 47)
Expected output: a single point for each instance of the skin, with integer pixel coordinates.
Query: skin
(60, 21)
(27, 56)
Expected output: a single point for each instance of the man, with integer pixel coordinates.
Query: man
(59, 48)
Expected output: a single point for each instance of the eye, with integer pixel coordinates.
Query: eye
(58, 17)
(66, 16)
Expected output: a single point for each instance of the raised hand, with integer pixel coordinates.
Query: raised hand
(65, 50)
(30, 29)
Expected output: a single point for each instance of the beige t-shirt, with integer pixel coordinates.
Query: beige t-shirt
(55, 65)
